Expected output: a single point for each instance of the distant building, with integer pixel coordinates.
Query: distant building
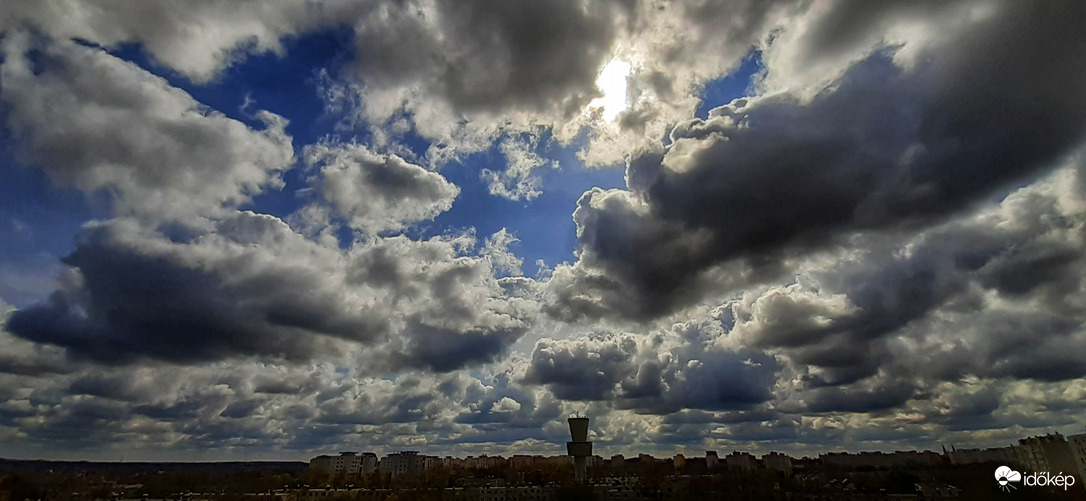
(897, 459)
(1001, 455)
(347, 462)
(369, 463)
(482, 462)
(618, 461)
(712, 461)
(1077, 444)
(403, 463)
(562, 460)
(679, 462)
(525, 462)
(742, 461)
(778, 461)
(1049, 453)
(430, 463)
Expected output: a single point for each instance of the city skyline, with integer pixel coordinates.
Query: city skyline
(266, 230)
(949, 474)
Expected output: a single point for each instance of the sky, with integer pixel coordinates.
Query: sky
(241, 230)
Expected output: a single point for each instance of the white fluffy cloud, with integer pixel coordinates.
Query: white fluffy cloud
(197, 40)
(377, 193)
(516, 182)
(105, 126)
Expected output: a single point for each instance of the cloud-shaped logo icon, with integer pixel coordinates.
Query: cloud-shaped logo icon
(1005, 475)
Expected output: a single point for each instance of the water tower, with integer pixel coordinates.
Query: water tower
(580, 448)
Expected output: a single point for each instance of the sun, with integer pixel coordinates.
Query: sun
(612, 83)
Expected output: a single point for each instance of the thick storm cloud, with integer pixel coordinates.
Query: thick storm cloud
(443, 349)
(663, 373)
(254, 287)
(141, 294)
(1032, 242)
(874, 330)
(884, 147)
(584, 369)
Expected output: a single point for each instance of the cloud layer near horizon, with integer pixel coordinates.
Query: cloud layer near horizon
(881, 246)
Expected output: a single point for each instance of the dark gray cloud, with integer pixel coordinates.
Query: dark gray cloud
(143, 295)
(885, 394)
(33, 366)
(710, 379)
(116, 386)
(927, 308)
(182, 410)
(586, 369)
(916, 325)
(658, 374)
(443, 350)
(487, 56)
(253, 287)
(884, 147)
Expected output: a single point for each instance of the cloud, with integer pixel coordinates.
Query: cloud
(106, 127)
(377, 193)
(454, 309)
(661, 373)
(891, 319)
(883, 332)
(873, 396)
(881, 247)
(253, 288)
(461, 72)
(430, 62)
(581, 369)
(496, 248)
(820, 43)
(884, 147)
(25, 358)
(444, 349)
(188, 409)
(227, 31)
(506, 404)
(481, 57)
(516, 182)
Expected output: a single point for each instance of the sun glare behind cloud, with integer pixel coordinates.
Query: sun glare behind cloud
(612, 83)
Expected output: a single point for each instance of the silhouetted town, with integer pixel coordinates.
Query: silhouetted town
(348, 475)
